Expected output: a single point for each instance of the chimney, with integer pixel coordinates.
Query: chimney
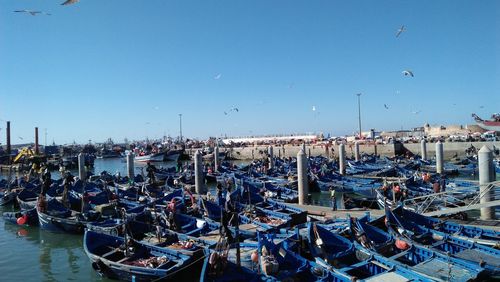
(8, 139)
(36, 141)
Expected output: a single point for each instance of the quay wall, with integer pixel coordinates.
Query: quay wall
(259, 151)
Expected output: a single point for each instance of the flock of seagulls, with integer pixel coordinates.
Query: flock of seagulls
(34, 13)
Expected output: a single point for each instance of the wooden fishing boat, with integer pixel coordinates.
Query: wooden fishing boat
(470, 233)
(340, 254)
(114, 257)
(28, 217)
(54, 217)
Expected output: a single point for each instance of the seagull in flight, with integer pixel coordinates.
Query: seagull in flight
(385, 106)
(408, 73)
(231, 110)
(69, 2)
(416, 112)
(400, 30)
(218, 76)
(20, 138)
(33, 13)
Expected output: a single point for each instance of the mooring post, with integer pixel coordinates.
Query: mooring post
(216, 158)
(439, 157)
(342, 159)
(81, 167)
(271, 156)
(423, 149)
(198, 173)
(356, 151)
(130, 166)
(487, 174)
(302, 177)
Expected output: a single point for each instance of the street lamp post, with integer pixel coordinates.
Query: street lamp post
(359, 114)
(180, 127)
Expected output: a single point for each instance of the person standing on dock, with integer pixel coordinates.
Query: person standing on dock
(333, 198)
(151, 172)
(46, 180)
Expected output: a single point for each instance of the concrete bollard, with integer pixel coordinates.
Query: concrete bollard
(271, 156)
(342, 161)
(216, 158)
(439, 157)
(81, 167)
(487, 174)
(198, 174)
(356, 151)
(302, 177)
(423, 149)
(130, 166)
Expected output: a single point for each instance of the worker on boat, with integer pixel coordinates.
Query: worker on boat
(46, 180)
(435, 187)
(68, 180)
(220, 198)
(442, 182)
(333, 199)
(151, 169)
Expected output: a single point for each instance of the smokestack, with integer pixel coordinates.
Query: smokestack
(8, 139)
(36, 141)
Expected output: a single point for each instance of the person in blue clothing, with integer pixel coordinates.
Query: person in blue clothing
(442, 182)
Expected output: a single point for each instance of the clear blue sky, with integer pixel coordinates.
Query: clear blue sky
(127, 68)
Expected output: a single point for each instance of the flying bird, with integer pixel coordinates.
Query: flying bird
(20, 138)
(481, 107)
(400, 30)
(408, 73)
(218, 76)
(231, 110)
(70, 2)
(416, 112)
(385, 106)
(33, 13)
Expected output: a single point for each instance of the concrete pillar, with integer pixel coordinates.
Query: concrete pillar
(342, 161)
(216, 158)
(423, 149)
(439, 157)
(304, 147)
(356, 151)
(302, 177)
(82, 174)
(130, 165)
(375, 149)
(198, 173)
(487, 174)
(271, 157)
(36, 141)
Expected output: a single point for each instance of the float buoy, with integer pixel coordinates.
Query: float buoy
(22, 220)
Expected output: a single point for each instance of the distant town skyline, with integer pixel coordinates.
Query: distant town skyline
(127, 69)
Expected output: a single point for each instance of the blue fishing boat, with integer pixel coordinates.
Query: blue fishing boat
(339, 254)
(55, 217)
(28, 217)
(115, 257)
(473, 253)
(470, 233)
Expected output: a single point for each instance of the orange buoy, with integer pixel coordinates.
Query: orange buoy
(402, 245)
(255, 256)
(22, 220)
